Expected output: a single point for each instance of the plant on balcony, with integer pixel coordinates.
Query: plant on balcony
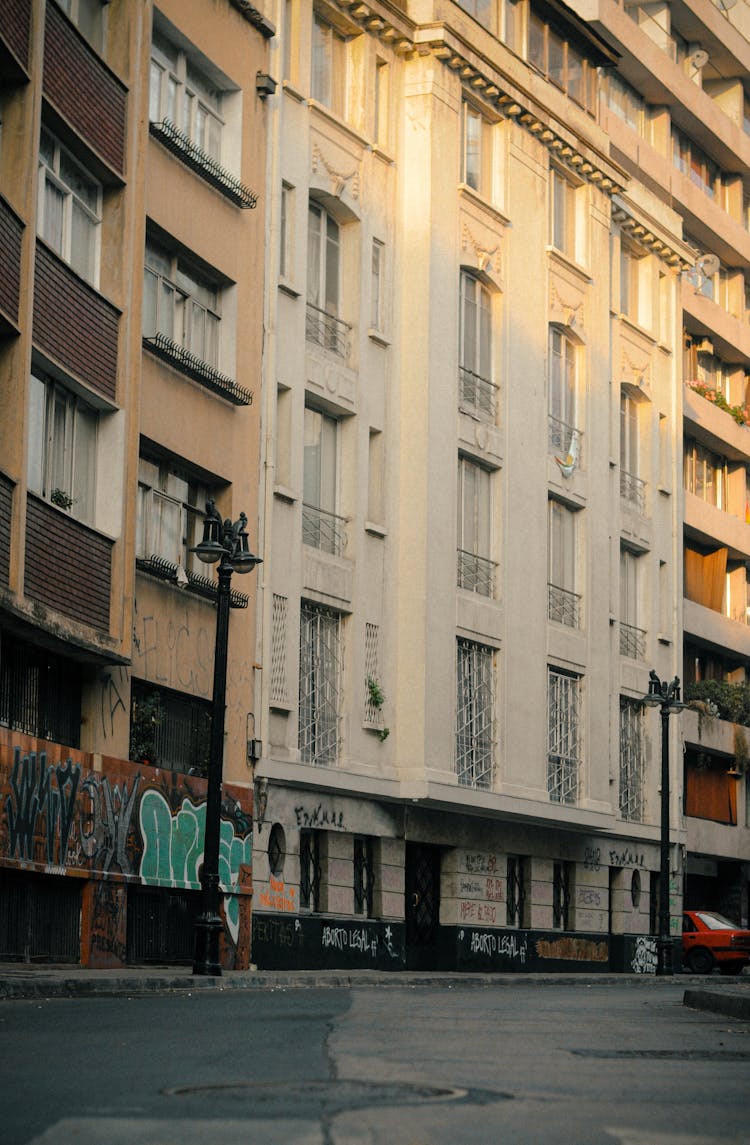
(377, 699)
(739, 413)
(62, 499)
(724, 700)
(147, 714)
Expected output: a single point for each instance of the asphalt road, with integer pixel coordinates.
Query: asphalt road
(525, 1064)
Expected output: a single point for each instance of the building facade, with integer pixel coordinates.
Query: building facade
(473, 497)
(132, 265)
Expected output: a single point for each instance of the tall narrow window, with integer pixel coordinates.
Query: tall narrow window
(309, 870)
(62, 457)
(632, 488)
(475, 568)
(632, 766)
(170, 513)
(562, 895)
(323, 325)
(477, 393)
(286, 231)
(70, 208)
(375, 478)
(181, 303)
(476, 150)
(328, 77)
(319, 684)
(562, 213)
(364, 876)
(564, 736)
(632, 638)
(376, 286)
(563, 434)
(184, 95)
(321, 527)
(474, 714)
(381, 107)
(516, 882)
(564, 601)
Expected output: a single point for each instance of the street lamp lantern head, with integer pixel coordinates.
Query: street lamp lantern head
(243, 561)
(210, 550)
(663, 694)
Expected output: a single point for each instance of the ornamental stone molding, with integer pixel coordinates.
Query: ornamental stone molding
(569, 312)
(338, 180)
(487, 261)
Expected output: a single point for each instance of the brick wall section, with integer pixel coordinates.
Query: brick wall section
(68, 566)
(15, 24)
(74, 323)
(83, 90)
(11, 230)
(6, 502)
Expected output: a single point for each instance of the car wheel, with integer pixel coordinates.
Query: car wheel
(700, 961)
(732, 968)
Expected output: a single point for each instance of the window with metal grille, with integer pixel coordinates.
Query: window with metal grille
(373, 693)
(632, 638)
(40, 692)
(563, 601)
(309, 870)
(516, 891)
(474, 714)
(632, 801)
(364, 875)
(562, 890)
(475, 570)
(564, 736)
(279, 690)
(169, 729)
(319, 684)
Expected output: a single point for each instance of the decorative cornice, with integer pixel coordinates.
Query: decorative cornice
(377, 25)
(642, 235)
(338, 180)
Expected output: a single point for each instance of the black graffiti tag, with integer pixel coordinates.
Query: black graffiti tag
(111, 812)
(40, 790)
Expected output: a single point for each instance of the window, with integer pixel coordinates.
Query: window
(309, 870)
(376, 286)
(562, 391)
(62, 448)
(364, 876)
(70, 208)
(632, 488)
(516, 881)
(381, 103)
(564, 735)
(477, 391)
(563, 875)
(552, 53)
(512, 13)
(474, 714)
(375, 478)
(321, 527)
(475, 569)
(170, 514)
(89, 18)
(693, 162)
(715, 373)
(632, 638)
(626, 103)
(632, 762)
(373, 693)
(476, 150)
(181, 303)
(323, 325)
(181, 93)
(169, 729)
(632, 295)
(564, 603)
(705, 474)
(483, 12)
(319, 684)
(328, 77)
(563, 214)
(40, 692)
(286, 223)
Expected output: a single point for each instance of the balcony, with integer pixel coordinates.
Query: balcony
(328, 331)
(633, 492)
(632, 641)
(564, 441)
(563, 606)
(198, 370)
(477, 395)
(323, 530)
(477, 574)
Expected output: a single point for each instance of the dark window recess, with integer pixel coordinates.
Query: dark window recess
(561, 889)
(40, 918)
(276, 850)
(364, 876)
(40, 692)
(516, 894)
(169, 729)
(161, 924)
(309, 870)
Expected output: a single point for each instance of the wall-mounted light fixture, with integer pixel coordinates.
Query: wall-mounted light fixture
(265, 85)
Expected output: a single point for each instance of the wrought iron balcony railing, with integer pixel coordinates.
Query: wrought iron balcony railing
(632, 641)
(477, 574)
(163, 569)
(327, 330)
(564, 440)
(323, 530)
(477, 395)
(198, 370)
(633, 490)
(563, 606)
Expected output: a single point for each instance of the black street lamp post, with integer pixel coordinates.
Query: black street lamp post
(665, 696)
(227, 543)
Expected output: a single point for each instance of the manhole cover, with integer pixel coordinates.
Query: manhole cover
(329, 1096)
(670, 1055)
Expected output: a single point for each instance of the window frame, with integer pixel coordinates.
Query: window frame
(194, 106)
(329, 63)
(564, 728)
(562, 563)
(563, 384)
(565, 232)
(54, 156)
(477, 150)
(179, 312)
(475, 714)
(474, 533)
(155, 497)
(54, 467)
(320, 675)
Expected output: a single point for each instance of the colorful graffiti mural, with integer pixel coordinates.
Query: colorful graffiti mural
(99, 818)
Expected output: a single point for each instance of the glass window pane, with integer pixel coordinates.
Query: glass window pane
(35, 457)
(82, 243)
(84, 463)
(54, 204)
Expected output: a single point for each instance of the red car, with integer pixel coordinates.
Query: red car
(709, 939)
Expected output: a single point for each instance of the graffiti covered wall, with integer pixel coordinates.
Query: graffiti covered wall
(110, 821)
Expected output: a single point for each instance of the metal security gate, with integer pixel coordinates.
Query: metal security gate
(161, 924)
(422, 906)
(40, 918)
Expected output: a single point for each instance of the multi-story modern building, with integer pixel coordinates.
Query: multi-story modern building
(473, 485)
(131, 306)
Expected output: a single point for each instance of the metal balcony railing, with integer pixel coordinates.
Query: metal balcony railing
(563, 606)
(189, 364)
(326, 330)
(477, 395)
(192, 156)
(632, 641)
(477, 574)
(563, 439)
(633, 491)
(323, 530)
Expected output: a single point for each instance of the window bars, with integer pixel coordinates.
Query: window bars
(564, 606)
(561, 896)
(323, 530)
(632, 641)
(364, 876)
(279, 690)
(474, 714)
(632, 764)
(319, 684)
(563, 740)
(309, 870)
(373, 712)
(477, 395)
(40, 692)
(633, 491)
(477, 574)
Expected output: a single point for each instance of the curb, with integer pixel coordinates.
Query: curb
(731, 1004)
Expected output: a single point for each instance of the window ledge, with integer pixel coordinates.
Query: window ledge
(486, 204)
(663, 638)
(375, 530)
(380, 153)
(162, 569)
(180, 145)
(293, 91)
(287, 288)
(338, 120)
(644, 333)
(284, 493)
(199, 371)
(378, 338)
(566, 260)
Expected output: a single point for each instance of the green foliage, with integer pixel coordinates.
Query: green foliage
(377, 696)
(731, 701)
(739, 413)
(147, 714)
(60, 498)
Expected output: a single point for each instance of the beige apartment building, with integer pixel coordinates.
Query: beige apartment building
(485, 236)
(132, 151)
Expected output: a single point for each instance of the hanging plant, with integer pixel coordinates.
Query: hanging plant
(741, 750)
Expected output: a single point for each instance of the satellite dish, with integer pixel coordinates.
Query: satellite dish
(708, 265)
(699, 58)
(725, 5)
